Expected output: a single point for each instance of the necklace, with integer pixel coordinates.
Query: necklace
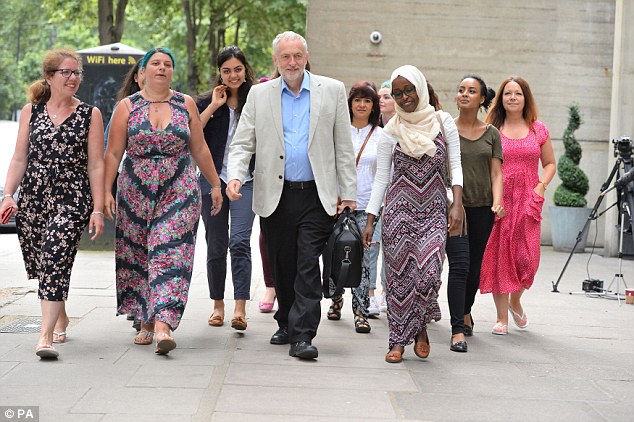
(154, 104)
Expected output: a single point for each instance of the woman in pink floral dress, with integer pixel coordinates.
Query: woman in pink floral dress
(158, 200)
(511, 257)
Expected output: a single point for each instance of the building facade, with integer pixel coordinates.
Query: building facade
(566, 50)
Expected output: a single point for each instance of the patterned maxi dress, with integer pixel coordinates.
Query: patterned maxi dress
(158, 205)
(414, 236)
(512, 253)
(55, 200)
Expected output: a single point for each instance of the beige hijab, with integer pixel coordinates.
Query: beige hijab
(417, 130)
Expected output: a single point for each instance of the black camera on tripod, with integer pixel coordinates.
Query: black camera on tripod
(623, 147)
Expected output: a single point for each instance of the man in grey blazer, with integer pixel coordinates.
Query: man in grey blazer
(298, 126)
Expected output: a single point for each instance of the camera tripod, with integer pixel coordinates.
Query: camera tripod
(625, 202)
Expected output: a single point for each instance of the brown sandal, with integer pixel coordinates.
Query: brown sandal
(421, 347)
(394, 356)
(239, 323)
(216, 320)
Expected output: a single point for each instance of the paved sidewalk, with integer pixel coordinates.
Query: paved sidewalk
(575, 362)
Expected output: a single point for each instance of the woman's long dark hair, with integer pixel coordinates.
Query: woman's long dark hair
(130, 85)
(224, 55)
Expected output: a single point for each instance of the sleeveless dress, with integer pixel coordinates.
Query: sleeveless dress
(158, 205)
(55, 199)
(511, 257)
(413, 240)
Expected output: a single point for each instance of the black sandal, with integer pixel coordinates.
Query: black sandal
(334, 312)
(361, 324)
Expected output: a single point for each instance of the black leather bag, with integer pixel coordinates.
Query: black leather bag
(343, 256)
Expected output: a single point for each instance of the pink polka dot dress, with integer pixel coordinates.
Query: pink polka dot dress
(511, 257)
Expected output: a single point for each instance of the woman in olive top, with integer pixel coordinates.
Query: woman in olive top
(481, 153)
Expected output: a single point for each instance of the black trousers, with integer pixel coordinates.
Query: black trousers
(479, 223)
(295, 236)
(457, 249)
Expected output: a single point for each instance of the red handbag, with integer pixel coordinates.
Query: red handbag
(6, 215)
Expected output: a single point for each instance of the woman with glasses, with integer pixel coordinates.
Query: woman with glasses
(158, 200)
(415, 218)
(511, 257)
(58, 164)
(230, 228)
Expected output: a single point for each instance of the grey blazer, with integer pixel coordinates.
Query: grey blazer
(330, 149)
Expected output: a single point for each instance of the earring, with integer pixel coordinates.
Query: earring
(221, 80)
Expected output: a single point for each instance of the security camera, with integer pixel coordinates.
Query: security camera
(376, 37)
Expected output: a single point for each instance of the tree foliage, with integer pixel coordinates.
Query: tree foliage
(195, 30)
(574, 186)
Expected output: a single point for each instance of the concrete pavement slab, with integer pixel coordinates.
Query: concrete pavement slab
(574, 362)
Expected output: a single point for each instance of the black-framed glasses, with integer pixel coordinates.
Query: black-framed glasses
(67, 72)
(408, 90)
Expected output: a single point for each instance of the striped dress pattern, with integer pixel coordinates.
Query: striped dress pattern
(414, 236)
(158, 206)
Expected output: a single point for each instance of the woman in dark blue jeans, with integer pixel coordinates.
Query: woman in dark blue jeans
(219, 111)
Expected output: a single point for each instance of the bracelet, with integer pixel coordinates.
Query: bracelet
(216, 187)
(97, 213)
(543, 184)
(7, 195)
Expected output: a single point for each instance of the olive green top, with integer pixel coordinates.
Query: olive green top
(476, 167)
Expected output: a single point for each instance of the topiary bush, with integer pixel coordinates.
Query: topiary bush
(574, 182)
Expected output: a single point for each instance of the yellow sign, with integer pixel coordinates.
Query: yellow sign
(109, 60)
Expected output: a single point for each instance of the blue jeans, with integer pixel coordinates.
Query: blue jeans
(237, 239)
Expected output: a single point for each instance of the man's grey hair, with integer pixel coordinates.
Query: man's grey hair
(288, 36)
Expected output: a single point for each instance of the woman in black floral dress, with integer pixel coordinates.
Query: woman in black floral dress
(58, 163)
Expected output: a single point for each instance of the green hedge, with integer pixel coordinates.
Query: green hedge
(574, 182)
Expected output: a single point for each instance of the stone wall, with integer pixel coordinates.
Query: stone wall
(564, 49)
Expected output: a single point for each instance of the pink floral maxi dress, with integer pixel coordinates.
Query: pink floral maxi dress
(512, 253)
(158, 205)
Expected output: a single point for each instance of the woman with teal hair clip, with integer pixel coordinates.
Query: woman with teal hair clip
(158, 201)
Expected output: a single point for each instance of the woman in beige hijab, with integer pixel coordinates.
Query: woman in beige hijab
(415, 221)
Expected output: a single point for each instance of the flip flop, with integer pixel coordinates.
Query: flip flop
(59, 337)
(500, 329)
(144, 337)
(46, 352)
(520, 320)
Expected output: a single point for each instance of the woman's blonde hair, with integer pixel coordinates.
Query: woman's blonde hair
(39, 92)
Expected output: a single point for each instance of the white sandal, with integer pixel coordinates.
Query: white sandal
(500, 329)
(61, 337)
(144, 338)
(520, 320)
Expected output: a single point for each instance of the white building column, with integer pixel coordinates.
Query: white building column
(622, 106)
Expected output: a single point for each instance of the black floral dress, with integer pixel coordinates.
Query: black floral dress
(55, 200)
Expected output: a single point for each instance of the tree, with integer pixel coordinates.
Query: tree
(111, 20)
(574, 182)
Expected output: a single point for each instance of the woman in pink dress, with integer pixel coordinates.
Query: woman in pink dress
(511, 257)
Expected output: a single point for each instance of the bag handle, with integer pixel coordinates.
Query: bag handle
(367, 138)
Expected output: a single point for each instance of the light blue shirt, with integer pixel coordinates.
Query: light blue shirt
(296, 124)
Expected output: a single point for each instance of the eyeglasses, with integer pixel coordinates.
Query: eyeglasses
(408, 90)
(67, 72)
